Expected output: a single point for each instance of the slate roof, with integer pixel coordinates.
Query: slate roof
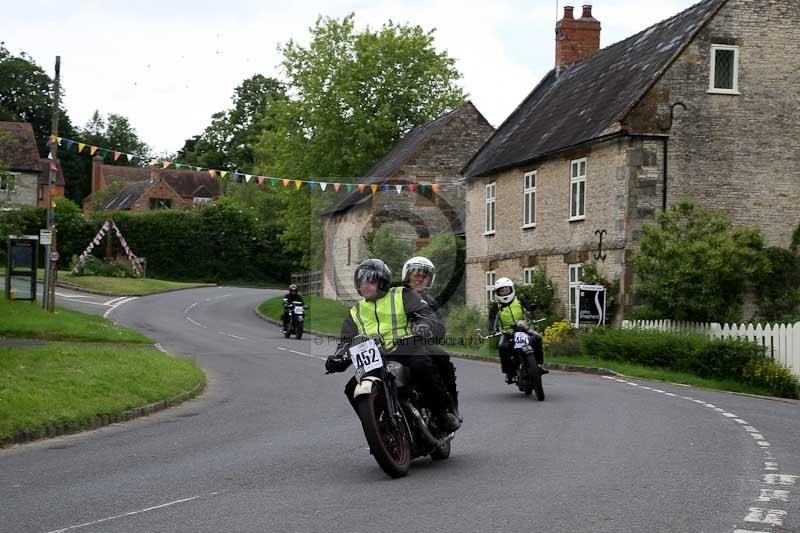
(588, 100)
(185, 182)
(44, 176)
(125, 198)
(388, 165)
(18, 147)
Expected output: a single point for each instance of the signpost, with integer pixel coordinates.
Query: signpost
(23, 253)
(591, 305)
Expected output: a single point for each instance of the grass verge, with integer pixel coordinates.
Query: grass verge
(323, 315)
(27, 320)
(127, 286)
(68, 384)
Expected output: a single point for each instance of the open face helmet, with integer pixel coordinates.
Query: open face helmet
(422, 265)
(504, 290)
(373, 270)
(293, 288)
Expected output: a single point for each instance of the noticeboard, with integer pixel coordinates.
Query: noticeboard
(21, 267)
(591, 305)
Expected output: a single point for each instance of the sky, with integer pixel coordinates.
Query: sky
(169, 65)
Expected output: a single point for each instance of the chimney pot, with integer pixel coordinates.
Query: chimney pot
(576, 39)
(587, 11)
(568, 12)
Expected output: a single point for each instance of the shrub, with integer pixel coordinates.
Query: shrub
(561, 339)
(714, 358)
(462, 321)
(541, 292)
(447, 253)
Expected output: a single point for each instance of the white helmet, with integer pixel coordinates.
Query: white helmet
(419, 264)
(499, 284)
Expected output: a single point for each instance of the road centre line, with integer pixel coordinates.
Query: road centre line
(196, 323)
(64, 295)
(301, 353)
(115, 300)
(119, 303)
(231, 335)
(127, 514)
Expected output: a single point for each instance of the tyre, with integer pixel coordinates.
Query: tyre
(442, 452)
(299, 330)
(288, 331)
(391, 449)
(536, 382)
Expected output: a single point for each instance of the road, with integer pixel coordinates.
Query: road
(273, 445)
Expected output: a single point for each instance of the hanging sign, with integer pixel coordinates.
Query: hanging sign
(591, 305)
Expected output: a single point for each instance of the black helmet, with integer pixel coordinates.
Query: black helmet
(373, 270)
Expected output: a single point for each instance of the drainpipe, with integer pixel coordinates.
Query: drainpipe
(666, 144)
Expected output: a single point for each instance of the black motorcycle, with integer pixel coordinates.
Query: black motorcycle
(528, 373)
(397, 424)
(296, 311)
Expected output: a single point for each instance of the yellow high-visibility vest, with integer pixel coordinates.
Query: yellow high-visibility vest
(385, 317)
(509, 314)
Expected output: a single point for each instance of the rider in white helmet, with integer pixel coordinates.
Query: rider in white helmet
(504, 313)
(419, 274)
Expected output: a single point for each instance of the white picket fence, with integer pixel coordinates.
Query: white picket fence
(781, 341)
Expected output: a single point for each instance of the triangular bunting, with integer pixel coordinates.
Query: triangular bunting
(361, 187)
(223, 173)
(53, 167)
(60, 139)
(435, 187)
(92, 150)
(311, 185)
(68, 144)
(348, 186)
(273, 181)
(297, 184)
(412, 187)
(336, 187)
(285, 182)
(178, 165)
(153, 162)
(385, 187)
(260, 180)
(104, 153)
(49, 155)
(247, 178)
(116, 155)
(212, 173)
(52, 139)
(165, 164)
(323, 185)
(374, 188)
(399, 188)
(81, 146)
(130, 157)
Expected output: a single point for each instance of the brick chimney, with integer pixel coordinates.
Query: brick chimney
(576, 39)
(98, 179)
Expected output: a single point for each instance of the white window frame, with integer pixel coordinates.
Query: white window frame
(527, 274)
(529, 200)
(200, 201)
(713, 67)
(490, 211)
(577, 180)
(490, 276)
(575, 281)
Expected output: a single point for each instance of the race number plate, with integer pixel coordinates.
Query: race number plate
(521, 340)
(298, 309)
(366, 355)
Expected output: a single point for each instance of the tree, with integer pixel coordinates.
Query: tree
(353, 96)
(229, 141)
(693, 265)
(384, 244)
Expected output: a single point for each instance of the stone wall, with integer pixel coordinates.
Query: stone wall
(24, 192)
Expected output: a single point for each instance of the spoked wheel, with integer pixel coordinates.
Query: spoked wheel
(299, 330)
(391, 448)
(536, 379)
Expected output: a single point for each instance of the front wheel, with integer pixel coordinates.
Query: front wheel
(536, 380)
(390, 448)
(298, 330)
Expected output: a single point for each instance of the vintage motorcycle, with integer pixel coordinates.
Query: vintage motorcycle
(295, 324)
(397, 424)
(529, 377)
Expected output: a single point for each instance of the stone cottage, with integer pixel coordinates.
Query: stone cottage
(144, 189)
(24, 176)
(703, 104)
(427, 163)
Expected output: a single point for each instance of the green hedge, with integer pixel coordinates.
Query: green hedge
(711, 358)
(222, 241)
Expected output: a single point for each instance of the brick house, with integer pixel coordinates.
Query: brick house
(429, 159)
(24, 176)
(703, 104)
(145, 189)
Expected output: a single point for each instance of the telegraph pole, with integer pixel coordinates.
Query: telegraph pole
(51, 255)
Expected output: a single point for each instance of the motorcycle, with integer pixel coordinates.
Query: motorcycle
(296, 311)
(528, 373)
(396, 423)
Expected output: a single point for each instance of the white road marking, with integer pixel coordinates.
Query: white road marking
(729, 415)
(770, 465)
(750, 429)
(773, 517)
(63, 295)
(114, 300)
(301, 353)
(124, 515)
(763, 443)
(231, 335)
(768, 495)
(196, 323)
(757, 436)
(119, 303)
(739, 421)
(217, 297)
(779, 479)
(186, 311)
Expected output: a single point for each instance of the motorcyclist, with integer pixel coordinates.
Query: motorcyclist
(419, 274)
(390, 314)
(504, 313)
(288, 302)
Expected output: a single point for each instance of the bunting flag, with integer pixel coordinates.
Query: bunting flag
(323, 185)
(153, 162)
(92, 150)
(261, 180)
(49, 155)
(68, 144)
(165, 164)
(411, 187)
(435, 187)
(361, 187)
(178, 165)
(213, 173)
(336, 187)
(273, 181)
(285, 182)
(374, 188)
(53, 167)
(130, 157)
(385, 187)
(348, 186)
(247, 178)
(116, 155)
(104, 153)
(399, 188)
(297, 184)
(81, 146)
(223, 173)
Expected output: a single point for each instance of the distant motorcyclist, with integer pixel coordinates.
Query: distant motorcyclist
(288, 302)
(390, 314)
(419, 274)
(504, 313)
